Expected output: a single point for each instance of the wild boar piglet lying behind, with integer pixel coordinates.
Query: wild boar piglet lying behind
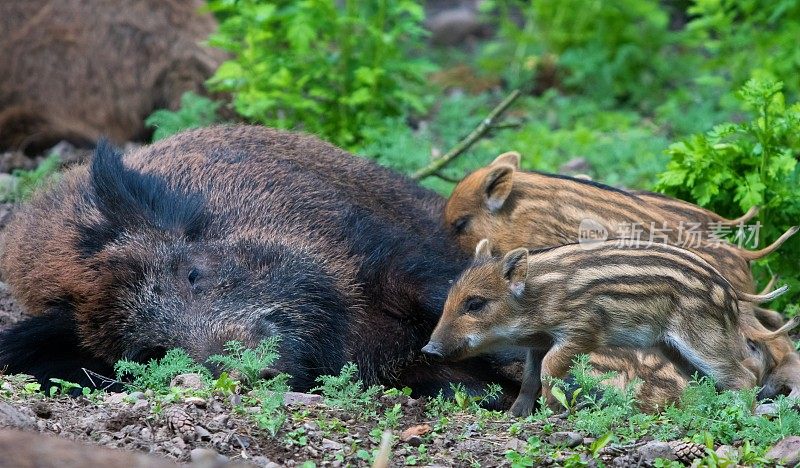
(515, 208)
(571, 300)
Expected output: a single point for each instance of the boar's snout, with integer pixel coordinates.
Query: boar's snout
(433, 350)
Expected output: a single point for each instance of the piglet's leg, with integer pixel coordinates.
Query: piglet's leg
(531, 384)
(556, 364)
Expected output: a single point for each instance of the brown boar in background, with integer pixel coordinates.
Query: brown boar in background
(77, 70)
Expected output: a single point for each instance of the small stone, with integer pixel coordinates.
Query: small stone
(42, 410)
(566, 439)
(786, 452)
(272, 464)
(241, 441)
(301, 399)
(141, 405)
(235, 399)
(115, 398)
(202, 433)
(515, 444)
(138, 396)
(310, 426)
(196, 401)
(727, 452)
(191, 380)
(414, 441)
(655, 449)
(766, 409)
(328, 444)
(12, 418)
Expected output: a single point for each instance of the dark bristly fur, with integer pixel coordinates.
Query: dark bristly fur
(235, 233)
(587, 299)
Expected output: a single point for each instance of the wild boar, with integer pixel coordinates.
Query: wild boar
(513, 208)
(233, 233)
(77, 70)
(569, 300)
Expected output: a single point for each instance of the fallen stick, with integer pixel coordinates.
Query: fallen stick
(486, 124)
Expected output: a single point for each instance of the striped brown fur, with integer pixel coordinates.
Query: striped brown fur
(531, 209)
(689, 211)
(534, 210)
(570, 300)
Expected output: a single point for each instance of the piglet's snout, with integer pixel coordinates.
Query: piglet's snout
(433, 350)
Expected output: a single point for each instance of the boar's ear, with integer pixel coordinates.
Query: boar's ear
(515, 270)
(483, 250)
(497, 186)
(130, 198)
(510, 158)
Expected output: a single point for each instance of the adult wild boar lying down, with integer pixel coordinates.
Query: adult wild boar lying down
(233, 233)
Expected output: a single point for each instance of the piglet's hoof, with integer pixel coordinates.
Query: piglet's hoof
(522, 408)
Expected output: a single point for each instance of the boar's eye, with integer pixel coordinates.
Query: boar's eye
(193, 276)
(475, 304)
(460, 224)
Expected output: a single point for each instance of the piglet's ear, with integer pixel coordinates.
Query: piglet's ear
(483, 250)
(509, 158)
(497, 186)
(515, 270)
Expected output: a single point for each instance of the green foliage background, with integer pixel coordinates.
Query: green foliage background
(691, 97)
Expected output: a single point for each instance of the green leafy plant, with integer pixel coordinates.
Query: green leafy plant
(739, 165)
(157, 374)
(744, 39)
(326, 67)
(246, 362)
(25, 182)
(603, 49)
(196, 111)
(65, 387)
(345, 391)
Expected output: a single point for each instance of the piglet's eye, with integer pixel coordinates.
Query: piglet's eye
(193, 276)
(475, 304)
(460, 224)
